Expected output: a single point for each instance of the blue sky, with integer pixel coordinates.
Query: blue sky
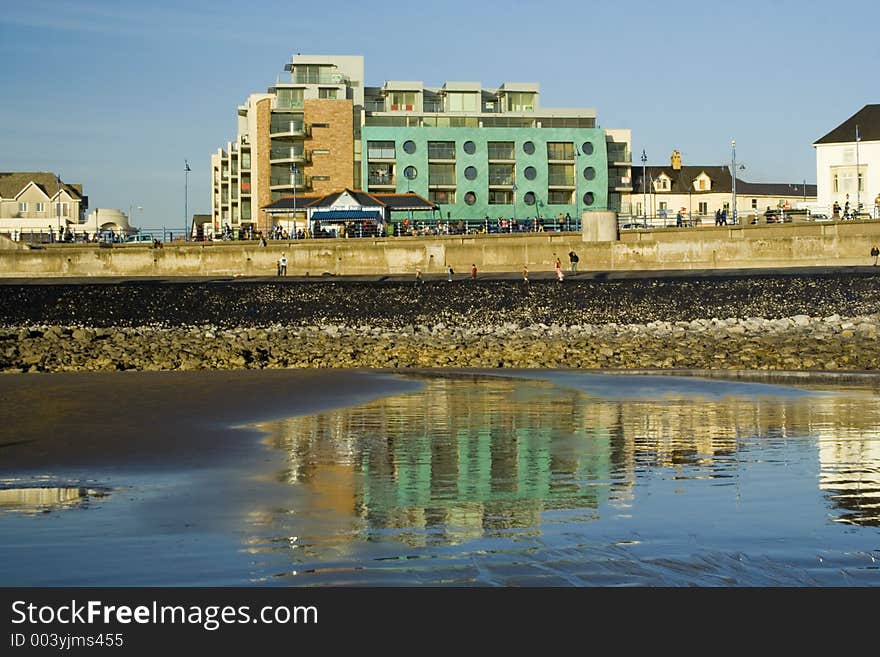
(115, 95)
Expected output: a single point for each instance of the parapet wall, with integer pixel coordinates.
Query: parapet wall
(775, 246)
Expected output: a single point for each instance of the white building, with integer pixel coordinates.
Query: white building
(848, 163)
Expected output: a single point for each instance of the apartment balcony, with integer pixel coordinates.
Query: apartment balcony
(283, 183)
(441, 181)
(245, 189)
(621, 184)
(619, 156)
(376, 182)
(561, 181)
(311, 78)
(280, 155)
(289, 129)
(501, 181)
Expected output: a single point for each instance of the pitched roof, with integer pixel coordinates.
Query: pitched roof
(11, 183)
(408, 201)
(775, 189)
(682, 179)
(868, 120)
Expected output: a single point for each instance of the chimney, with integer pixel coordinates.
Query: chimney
(675, 160)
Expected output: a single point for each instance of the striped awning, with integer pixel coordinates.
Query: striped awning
(347, 215)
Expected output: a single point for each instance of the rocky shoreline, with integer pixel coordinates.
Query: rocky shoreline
(827, 323)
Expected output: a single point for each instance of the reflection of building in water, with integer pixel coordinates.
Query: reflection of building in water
(474, 456)
(849, 457)
(463, 457)
(39, 499)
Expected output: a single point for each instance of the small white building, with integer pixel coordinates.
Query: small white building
(108, 220)
(848, 163)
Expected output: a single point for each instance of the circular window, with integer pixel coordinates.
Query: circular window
(589, 173)
(470, 173)
(530, 173)
(410, 173)
(529, 198)
(588, 198)
(470, 198)
(470, 147)
(587, 148)
(529, 148)
(409, 146)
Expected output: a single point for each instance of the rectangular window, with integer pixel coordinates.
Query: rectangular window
(329, 92)
(703, 207)
(22, 206)
(441, 174)
(381, 174)
(557, 197)
(500, 197)
(402, 101)
(380, 150)
(442, 196)
(62, 209)
(560, 175)
(835, 185)
(462, 101)
(501, 150)
(754, 204)
(441, 150)
(320, 125)
(663, 205)
(702, 184)
(246, 161)
(501, 174)
(560, 150)
(861, 187)
(289, 99)
(41, 207)
(520, 101)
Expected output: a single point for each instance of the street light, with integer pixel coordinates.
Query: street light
(858, 175)
(514, 188)
(644, 189)
(577, 180)
(186, 171)
(733, 176)
(130, 207)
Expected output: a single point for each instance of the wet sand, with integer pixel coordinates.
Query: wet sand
(165, 420)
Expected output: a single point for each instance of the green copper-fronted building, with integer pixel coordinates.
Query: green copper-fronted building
(479, 152)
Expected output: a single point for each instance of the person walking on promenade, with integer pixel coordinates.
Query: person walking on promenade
(473, 272)
(418, 276)
(559, 275)
(875, 252)
(573, 259)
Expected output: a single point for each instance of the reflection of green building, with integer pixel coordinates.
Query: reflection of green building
(465, 463)
(480, 152)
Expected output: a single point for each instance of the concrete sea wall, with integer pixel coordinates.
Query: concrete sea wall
(773, 246)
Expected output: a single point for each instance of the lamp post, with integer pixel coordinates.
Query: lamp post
(644, 189)
(130, 208)
(733, 176)
(186, 171)
(514, 188)
(58, 204)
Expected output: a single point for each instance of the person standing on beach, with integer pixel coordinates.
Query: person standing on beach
(559, 275)
(473, 272)
(418, 276)
(449, 273)
(875, 252)
(525, 273)
(573, 259)
(282, 265)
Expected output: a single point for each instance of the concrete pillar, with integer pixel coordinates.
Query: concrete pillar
(599, 226)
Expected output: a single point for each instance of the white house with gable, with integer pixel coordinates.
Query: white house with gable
(848, 163)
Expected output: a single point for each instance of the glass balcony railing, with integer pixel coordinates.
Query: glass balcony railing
(289, 153)
(619, 155)
(501, 154)
(381, 180)
(560, 181)
(500, 180)
(318, 78)
(302, 181)
(441, 180)
(441, 152)
(288, 127)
